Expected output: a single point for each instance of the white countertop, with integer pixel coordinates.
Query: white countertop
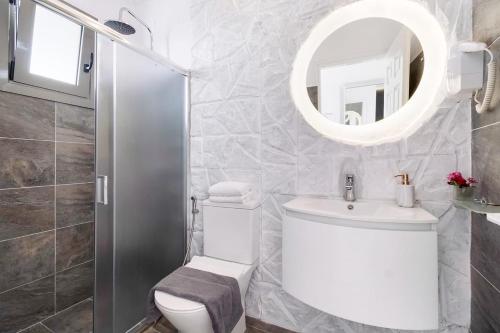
(366, 211)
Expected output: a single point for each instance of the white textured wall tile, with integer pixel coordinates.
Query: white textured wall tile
(237, 152)
(380, 184)
(246, 128)
(197, 244)
(196, 121)
(454, 230)
(454, 288)
(199, 181)
(231, 117)
(279, 178)
(315, 174)
(196, 152)
(252, 300)
(431, 177)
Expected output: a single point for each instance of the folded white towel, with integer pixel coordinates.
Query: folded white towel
(229, 189)
(232, 199)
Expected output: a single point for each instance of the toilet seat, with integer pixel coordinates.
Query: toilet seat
(173, 304)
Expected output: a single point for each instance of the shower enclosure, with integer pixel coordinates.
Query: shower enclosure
(141, 181)
(103, 117)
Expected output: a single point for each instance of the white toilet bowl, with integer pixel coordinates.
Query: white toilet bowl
(192, 317)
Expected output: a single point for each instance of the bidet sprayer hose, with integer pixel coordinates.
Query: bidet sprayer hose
(194, 212)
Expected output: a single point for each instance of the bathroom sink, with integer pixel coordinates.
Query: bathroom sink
(366, 211)
(365, 261)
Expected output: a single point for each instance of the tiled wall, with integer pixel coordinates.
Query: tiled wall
(245, 127)
(485, 253)
(46, 208)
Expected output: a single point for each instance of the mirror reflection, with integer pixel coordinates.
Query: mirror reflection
(365, 71)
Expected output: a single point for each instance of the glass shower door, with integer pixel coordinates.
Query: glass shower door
(141, 180)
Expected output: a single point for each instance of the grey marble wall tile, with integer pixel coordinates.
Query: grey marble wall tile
(75, 163)
(486, 161)
(26, 117)
(74, 124)
(485, 249)
(74, 285)
(486, 302)
(26, 305)
(77, 319)
(479, 322)
(485, 19)
(74, 245)
(38, 328)
(74, 204)
(26, 163)
(26, 211)
(26, 259)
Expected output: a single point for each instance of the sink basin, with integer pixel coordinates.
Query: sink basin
(367, 211)
(365, 261)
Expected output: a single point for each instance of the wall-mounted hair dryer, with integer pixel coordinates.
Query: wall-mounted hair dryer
(474, 47)
(466, 72)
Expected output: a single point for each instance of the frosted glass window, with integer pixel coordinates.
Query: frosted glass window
(55, 49)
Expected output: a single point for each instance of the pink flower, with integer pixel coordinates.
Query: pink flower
(472, 180)
(455, 178)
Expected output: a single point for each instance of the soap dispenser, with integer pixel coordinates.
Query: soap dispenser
(405, 192)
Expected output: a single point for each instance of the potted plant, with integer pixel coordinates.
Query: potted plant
(463, 189)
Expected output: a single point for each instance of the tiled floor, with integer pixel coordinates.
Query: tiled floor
(163, 326)
(78, 319)
(253, 326)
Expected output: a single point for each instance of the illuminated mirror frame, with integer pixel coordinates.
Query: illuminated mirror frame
(421, 106)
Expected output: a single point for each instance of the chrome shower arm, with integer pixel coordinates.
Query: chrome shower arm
(120, 17)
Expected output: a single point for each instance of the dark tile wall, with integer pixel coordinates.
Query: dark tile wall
(46, 209)
(485, 248)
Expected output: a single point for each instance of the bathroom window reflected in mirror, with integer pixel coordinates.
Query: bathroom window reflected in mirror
(365, 71)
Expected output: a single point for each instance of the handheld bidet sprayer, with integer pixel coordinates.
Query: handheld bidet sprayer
(194, 212)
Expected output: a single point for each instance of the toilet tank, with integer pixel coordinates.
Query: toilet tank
(231, 231)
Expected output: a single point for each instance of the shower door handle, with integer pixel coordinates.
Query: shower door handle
(102, 190)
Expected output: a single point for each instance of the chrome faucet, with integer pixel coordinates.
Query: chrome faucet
(349, 188)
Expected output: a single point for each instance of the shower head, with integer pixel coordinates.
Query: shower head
(120, 27)
(126, 29)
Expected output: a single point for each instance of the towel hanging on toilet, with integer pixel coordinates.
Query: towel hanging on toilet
(220, 295)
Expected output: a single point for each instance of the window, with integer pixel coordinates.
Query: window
(51, 51)
(48, 58)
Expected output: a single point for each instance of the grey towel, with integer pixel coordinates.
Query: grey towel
(220, 295)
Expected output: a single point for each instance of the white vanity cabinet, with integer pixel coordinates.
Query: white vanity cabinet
(373, 263)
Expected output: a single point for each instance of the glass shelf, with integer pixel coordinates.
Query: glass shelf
(477, 207)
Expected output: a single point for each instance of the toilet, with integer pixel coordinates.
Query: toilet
(231, 248)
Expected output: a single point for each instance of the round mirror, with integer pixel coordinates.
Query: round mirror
(365, 71)
(371, 72)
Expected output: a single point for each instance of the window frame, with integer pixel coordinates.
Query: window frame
(17, 20)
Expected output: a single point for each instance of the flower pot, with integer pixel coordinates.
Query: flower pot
(463, 193)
